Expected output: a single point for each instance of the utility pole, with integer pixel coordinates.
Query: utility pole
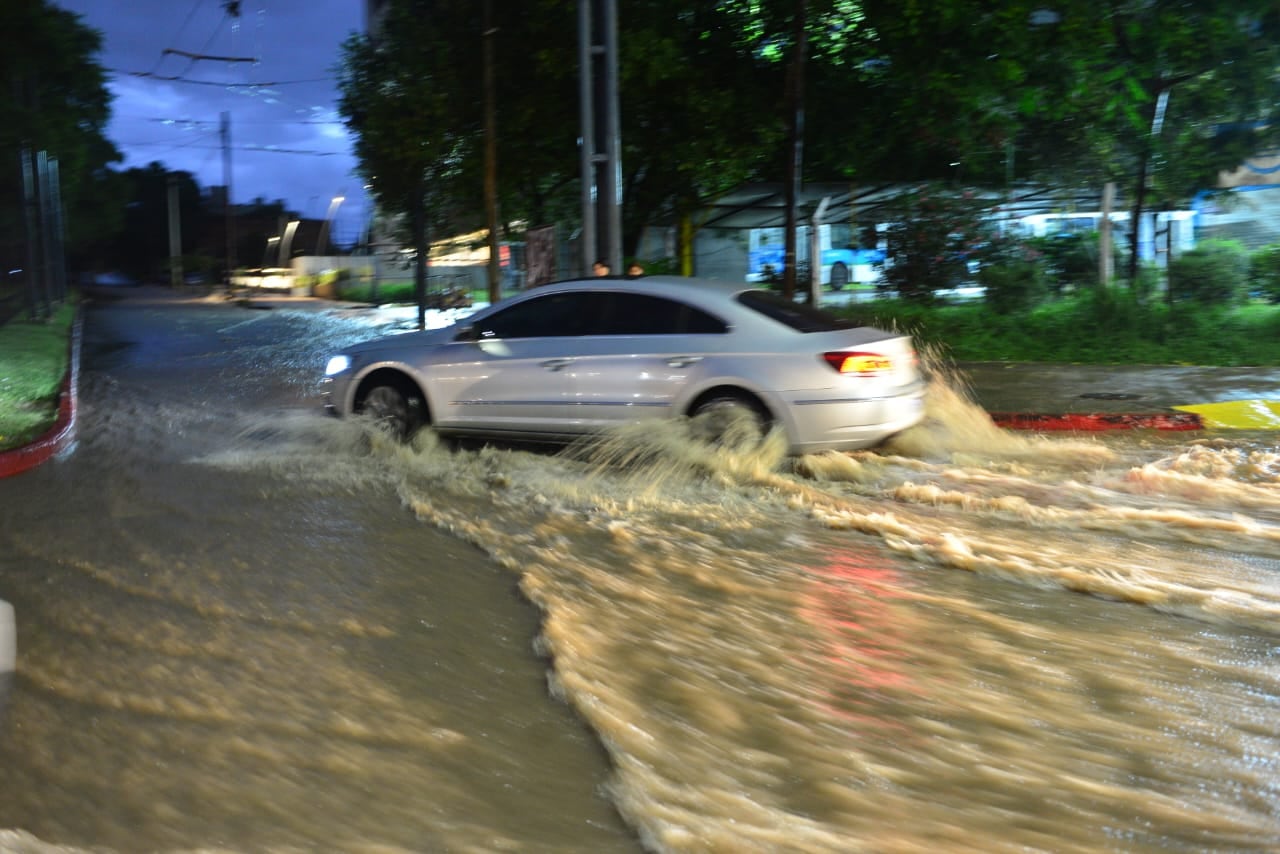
(795, 154)
(491, 156)
(38, 303)
(600, 144)
(228, 210)
(175, 234)
(232, 8)
(44, 203)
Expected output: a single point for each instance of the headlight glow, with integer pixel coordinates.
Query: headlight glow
(337, 365)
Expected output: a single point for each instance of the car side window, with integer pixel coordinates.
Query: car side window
(644, 314)
(549, 316)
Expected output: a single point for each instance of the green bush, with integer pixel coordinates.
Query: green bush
(1216, 271)
(1013, 284)
(1145, 286)
(934, 233)
(1071, 260)
(1264, 272)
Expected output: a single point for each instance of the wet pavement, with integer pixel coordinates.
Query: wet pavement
(1049, 388)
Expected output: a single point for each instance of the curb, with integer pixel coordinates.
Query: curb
(62, 434)
(1095, 422)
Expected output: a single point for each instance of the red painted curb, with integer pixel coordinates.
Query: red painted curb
(60, 436)
(1093, 422)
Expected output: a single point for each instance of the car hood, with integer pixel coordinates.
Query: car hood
(425, 338)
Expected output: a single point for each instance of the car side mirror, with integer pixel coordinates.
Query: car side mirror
(467, 333)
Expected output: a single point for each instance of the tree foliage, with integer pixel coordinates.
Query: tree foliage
(53, 98)
(1157, 95)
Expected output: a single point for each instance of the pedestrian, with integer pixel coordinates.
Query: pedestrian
(634, 270)
(600, 268)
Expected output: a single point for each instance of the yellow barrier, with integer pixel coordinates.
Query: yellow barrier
(1238, 414)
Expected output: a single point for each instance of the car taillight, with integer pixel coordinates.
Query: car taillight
(859, 364)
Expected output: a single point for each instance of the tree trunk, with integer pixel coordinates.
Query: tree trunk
(422, 248)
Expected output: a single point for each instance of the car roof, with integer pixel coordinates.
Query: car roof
(708, 293)
(714, 296)
(721, 286)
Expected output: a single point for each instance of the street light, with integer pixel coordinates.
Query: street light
(322, 242)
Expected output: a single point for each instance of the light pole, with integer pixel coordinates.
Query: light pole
(322, 242)
(284, 258)
(266, 253)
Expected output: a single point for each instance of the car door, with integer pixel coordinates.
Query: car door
(639, 353)
(508, 371)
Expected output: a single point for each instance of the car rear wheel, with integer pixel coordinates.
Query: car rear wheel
(394, 408)
(839, 276)
(730, 419)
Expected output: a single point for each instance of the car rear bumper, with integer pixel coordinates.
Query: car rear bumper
(848, 425)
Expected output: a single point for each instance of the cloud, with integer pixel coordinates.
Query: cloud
(287, 141)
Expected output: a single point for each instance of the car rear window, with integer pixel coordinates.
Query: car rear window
(799, 316)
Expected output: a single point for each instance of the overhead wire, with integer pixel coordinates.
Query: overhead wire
(260, 90)
(177, 78)
(257, 149)
(191, 13)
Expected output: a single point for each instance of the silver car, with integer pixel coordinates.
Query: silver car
(577, 357)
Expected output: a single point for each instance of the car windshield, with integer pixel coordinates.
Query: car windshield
(799, 316)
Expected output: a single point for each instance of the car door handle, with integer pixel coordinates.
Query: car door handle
(556, 364)
(683, 361)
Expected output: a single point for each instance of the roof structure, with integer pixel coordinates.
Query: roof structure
(764, 205)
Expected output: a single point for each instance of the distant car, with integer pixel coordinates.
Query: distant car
(577, 357)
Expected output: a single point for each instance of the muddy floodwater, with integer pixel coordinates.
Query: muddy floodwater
(246, 627)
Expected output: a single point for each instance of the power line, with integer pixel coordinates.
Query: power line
(197, 122)
(199, 56)
(250, 148)
(190, 14)
(178, 78)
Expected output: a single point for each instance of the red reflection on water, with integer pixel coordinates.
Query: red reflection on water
(863, 620)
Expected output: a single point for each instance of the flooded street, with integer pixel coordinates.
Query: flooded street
(247, 627)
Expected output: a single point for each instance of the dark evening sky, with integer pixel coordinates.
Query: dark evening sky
(287, 141)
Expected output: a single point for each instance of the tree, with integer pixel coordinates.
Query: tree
(401, 96)
(411, 94)
(702, 105)
(55, 99)
(1160, 95)
(141, 250)
(1064, 93)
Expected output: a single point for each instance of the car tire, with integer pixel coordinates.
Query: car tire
(839, 276)
(395, 408)
(729, 419)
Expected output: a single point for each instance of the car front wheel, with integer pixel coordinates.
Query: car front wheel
(394, 408)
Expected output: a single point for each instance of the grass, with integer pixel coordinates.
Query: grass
(1111, 328)
(33, 361)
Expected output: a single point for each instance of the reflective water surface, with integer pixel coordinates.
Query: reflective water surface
(247, 627)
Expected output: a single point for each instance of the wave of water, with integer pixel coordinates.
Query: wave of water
(773, 661)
